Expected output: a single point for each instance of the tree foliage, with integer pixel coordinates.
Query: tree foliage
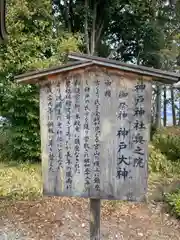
(40, 33)
(127, 30)
(31, 45)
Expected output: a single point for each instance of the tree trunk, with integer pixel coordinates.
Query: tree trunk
(86, 28)
(67, 17)
(3, 33)
(173, 107)
(158, 107)
(93, 30)
(153, 108)
(71, 15)
(179, 113)
(165, 107)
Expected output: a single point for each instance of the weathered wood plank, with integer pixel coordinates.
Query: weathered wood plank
(44, 136)
(102, 115)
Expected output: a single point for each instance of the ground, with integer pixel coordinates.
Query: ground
(26, 215)
(68, 218)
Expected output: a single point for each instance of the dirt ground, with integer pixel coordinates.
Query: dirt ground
(65, 218)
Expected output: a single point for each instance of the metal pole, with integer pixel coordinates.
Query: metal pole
(95, 209)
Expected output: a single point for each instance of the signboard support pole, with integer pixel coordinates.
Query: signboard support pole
(95, 210)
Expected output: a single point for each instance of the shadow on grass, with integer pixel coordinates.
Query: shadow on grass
(9, 164)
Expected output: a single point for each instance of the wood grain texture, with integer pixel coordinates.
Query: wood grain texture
(101, 124)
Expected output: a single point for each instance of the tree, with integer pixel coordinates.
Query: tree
(125, 30)
(165, 106)
(158, 106)
(88, 17)
(31, 45)
(173, 107)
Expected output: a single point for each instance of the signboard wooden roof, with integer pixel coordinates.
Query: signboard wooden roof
(85, 60)
(157, 74)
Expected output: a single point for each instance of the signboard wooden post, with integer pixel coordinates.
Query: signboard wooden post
(95, 209)
(95, 122)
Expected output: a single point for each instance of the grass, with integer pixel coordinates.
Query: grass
(20, 181)
(160, 185)
(23, 182)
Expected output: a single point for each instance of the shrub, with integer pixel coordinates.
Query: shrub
(173, 200)
(20, 131)
(167, 140)
(158, 161)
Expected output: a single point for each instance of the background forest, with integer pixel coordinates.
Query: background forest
(144, 32)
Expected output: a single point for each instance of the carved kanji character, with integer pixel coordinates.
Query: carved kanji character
(122, 145)
(139, 162)
(122, 159)
(122, 132)
(122, 173)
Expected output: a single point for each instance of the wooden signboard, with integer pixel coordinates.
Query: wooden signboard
(94, 135)
(95, 118)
